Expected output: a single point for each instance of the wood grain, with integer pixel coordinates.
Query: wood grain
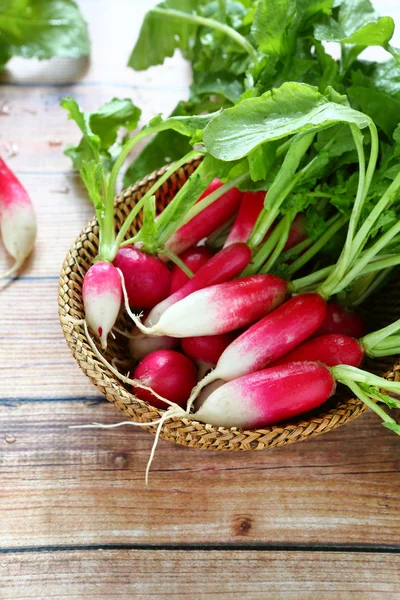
(85, 489)
(75, 487)
(178, 575)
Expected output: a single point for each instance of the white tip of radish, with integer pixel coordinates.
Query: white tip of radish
(219, 406)
(18, 231)
(102, 297)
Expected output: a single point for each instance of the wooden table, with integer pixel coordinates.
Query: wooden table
(313, 520)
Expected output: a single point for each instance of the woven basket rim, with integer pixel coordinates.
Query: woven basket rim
(116, 392)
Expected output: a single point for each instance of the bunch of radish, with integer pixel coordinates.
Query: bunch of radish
(222, 332)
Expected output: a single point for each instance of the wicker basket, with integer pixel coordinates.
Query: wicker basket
(340, 409)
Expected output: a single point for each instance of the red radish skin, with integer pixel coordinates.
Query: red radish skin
(250, 207)
(147, 279)
(223, 266)
(221, 308)
(102, 298)
(207, 221)
(170, 374)
(269, 396)
(340, 320)
(141, 345)
(271, 337)
(207, 348)
(17, 219)
(194, 258)
(297, 233)
(331, 349)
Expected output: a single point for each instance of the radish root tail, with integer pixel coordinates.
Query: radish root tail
(135, 318)
(12, 271)
(197, 389)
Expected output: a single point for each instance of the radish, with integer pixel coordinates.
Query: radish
(251, 205)
(169, 373)
(205, 350)
(206, 221)
(340, 320)
(17, 219)
(147, 279)
(268, 339)
(223, 266)
(102, 296)
(268, 396)
(285, 391)
(140, 345)
(220, 308)
(194, 259)
(338, 349)
(331, 349)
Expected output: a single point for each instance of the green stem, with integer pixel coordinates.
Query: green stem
(265, 251)
(283, 184)
(345, 372)
(298, 248)
(384, 203)
(171, 217)
(178, 261)
(379, 352)
(347, 257)
(134, 212)
(197, 20)
(346, 254)
(336, 223)
(108, 229)
(363, 396)
(390, 342)
(362, 261)
(374, 339)
(383, 263)
(205, 202)
(372, 284)
(284, 234)
(393, 52)
(314, 278)
(131, 240)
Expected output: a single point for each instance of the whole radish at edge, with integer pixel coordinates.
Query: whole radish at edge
(17, 219)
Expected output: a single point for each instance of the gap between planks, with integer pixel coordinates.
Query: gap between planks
(240, 547)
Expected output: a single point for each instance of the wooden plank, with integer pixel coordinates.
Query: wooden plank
(39, 127)
(35, 360)
(63, 486)
(177, 575)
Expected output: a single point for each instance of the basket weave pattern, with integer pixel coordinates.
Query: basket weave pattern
(339, 410)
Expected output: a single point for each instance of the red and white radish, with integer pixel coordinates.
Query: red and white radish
(220, 308)
(223, 266)
(147, 279)
(207, 221)
(268, 339)
(340, 320)
(194, 259)
(251, 205)
(331, 349)
(268, 396)
(169, 373)
(17, 219)
(102, 297)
